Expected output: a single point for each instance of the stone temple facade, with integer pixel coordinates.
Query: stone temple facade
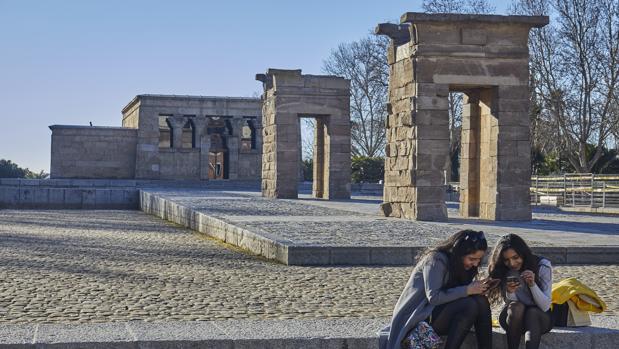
(168, 138)
(486, 58)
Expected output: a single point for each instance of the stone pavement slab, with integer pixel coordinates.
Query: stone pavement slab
(319, 232)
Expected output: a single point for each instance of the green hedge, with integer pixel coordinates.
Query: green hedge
(367, 169)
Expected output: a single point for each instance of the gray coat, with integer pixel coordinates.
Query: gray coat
(423, 291)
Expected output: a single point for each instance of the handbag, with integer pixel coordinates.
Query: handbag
(577, 317)
(422, 336)
(568, 315)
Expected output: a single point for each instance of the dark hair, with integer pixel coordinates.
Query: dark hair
(457, 246)
(497, 268)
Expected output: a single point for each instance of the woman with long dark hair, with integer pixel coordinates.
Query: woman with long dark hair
(442, 291)
(526, 286)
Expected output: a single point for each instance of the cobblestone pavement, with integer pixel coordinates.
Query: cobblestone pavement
(104, 266)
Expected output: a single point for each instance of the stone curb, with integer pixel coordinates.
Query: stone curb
(603, 334)
(231, 334)
(253, 334)
(262, 243)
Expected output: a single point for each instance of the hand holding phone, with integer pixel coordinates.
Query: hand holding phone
(492, 283)
(512, 283)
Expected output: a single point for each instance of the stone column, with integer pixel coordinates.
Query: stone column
(234, 147)
(337, 163)
(177, 122)
(469, 155)
(147, 163)
(203, 143)
(511, 139)
(258, 133)
(318, 160)
(428, 144)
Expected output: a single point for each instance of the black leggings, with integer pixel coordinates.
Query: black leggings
(455, 319)
(517, 318)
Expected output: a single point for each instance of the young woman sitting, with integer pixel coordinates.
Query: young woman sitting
(526, 285)
(442, 292)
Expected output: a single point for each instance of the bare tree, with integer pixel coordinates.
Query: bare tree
(458, 6)
(363, 63)
(308, 132)
(575, 75)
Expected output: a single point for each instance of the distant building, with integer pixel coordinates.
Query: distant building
(166, 137)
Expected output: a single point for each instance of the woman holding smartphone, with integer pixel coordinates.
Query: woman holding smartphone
(442, 292)
(526, 286)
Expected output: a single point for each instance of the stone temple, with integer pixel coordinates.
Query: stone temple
(167, 138)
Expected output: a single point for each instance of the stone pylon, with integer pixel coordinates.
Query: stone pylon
(289, 96)
(486, 58)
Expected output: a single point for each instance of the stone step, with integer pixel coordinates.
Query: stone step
(254, 334)
(229, 334)
(603, 334)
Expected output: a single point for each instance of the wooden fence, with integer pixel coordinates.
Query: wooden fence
(572, 190)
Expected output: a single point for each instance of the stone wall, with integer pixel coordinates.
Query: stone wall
(68, 194)
(92, 152)
(180, 164)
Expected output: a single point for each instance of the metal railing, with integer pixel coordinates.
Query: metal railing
(572, 190)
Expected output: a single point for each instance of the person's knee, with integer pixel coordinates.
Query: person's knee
(482, 301)
(532, 316)
(515, 309)
(482, 304)
(469, 307)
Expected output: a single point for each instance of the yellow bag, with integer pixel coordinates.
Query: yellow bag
(583, 297)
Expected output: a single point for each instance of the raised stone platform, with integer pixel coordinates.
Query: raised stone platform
(350, 232)
(251, 334)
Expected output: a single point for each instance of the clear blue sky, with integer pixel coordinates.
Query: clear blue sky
(76, 61)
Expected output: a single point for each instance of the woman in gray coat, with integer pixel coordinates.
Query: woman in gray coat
(442, 291)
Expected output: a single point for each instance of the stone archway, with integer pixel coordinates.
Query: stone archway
(486, 57)
(289, 96)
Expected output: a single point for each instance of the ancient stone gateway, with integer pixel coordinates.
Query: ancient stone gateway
(289, 96)
(486, 58)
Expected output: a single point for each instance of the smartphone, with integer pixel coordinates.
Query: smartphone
(514, 279)
(492, 283)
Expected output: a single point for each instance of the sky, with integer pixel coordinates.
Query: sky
(71, 62)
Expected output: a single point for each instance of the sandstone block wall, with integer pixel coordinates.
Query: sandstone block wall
(93, 152)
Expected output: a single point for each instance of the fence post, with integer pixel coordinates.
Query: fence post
(564, 189)
(592, 191)
(603, 194)
(573, 196)
(536, 189)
